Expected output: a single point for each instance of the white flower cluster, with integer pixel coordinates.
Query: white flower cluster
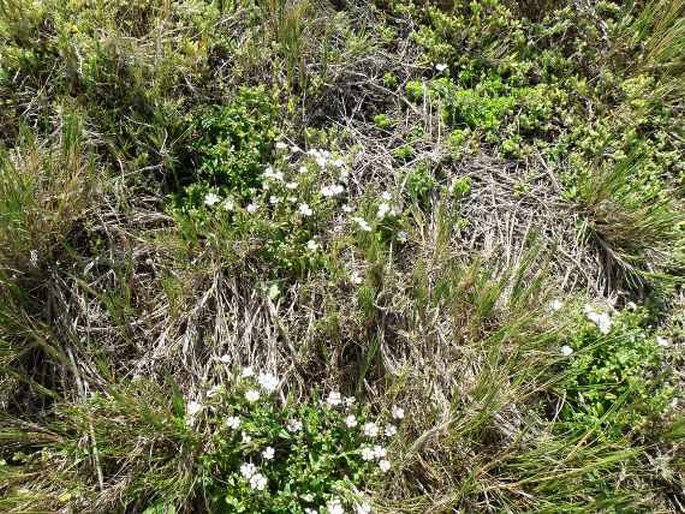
(256, 480)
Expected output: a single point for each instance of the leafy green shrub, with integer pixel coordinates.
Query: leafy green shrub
(382, 121)
(614, 381)
(415, 90)
(403, 153)
(460, 187)
(420, 183)
(270, 457)
(234, 142)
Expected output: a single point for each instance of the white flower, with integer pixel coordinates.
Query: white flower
(228, 205)
(402, 236)
(350, 421)
(349, 401)
(556, 305)
(280, 145)
(246, 438)
(566, 350)
(193, 407)
(363, 225)
(601, 319)
(252, 395)
(291, 185)
(379, 452)
(368, 454)
(386, 195)
(247, 372)
(268, 381)
(305, 210)
(295, 149)
(362, 508)
(384, 465)
(258, 482)
(370, 429)
(225, 359)
(309, 497)
(248, 469)
(270, 173)
(307, 510)
(302, 170)
(631, 306)
(383, 210)
(662, 341)
(346, 208)
(441, 67)
(356, 278)
(211, 199)
(33, 258)
(338, 163)
(292, 199)
(293, 425)
(397, 412)
(252, 208)
(332, 190)
(268, 453)
(274, 200)
(390, 430)
(233, 422)
(335, 507)
(312, 245)
(334, 399)
(214, 390)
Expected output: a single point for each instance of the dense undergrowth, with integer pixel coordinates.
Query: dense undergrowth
(300, 256)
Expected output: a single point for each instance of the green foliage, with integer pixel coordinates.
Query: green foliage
(235, 142)
(267, 457)
(615, 383)
(382, 121)
(420, 183)
(415, 90)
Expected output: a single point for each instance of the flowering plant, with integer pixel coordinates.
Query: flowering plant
(270, 456)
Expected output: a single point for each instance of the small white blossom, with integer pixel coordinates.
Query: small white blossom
(291, 185)
(228, 205)
(308, 510)
(350, 421)
(246, 438)
(363, 224)
(268, 453)
(379, 452)
(302, 170)
(440, 67)
(309, 497)
(258, 482)
(335, 507)
(556, 305)
(293, 425)
(269, 173)
(362, 508)
(312, 245)
(566, 350)
(248, 469)
(274, 200)
(384, 465)
(268, 382)
(338, 163)
(334, 399)
(383, 210)
(252, 395)
(386, 195)
(601, 319)
(33, 258)
(252, 208)
(247, 372)
(346, 208)
(402, 236)
(292, 199)
(280, 145)
(211, 199)
(349, 401)
(233, 422)
(193, 407)
(370, 429)
(332, 190)
(631, 306)
(662, 341)
(397, 412)
(225, 359)
(305, 210)
(368, 454)
(390, 430)
(356, 278)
